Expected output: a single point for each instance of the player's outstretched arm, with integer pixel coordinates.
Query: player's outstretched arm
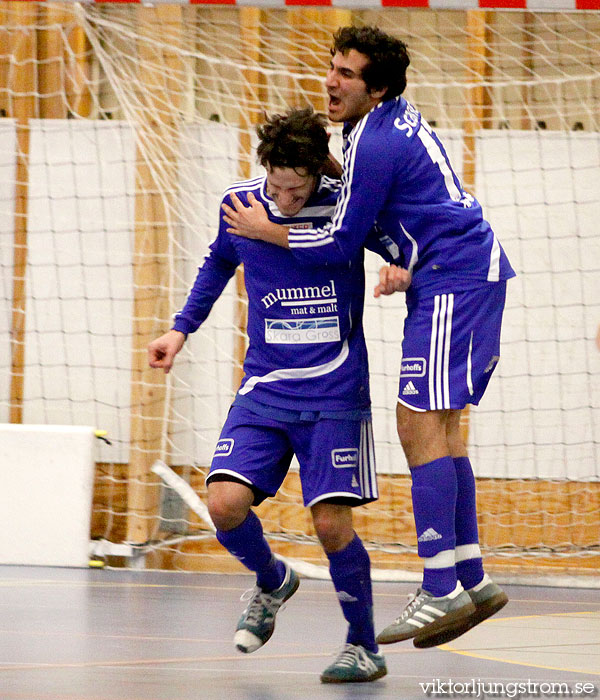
(253, 222)
(392, 279)
(162, 351)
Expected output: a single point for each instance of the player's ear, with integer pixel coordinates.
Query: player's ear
(331, 167)
(378, 94)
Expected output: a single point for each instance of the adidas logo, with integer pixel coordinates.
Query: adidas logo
(346, 597)
(429, 535)
(354, 482)
(410, 389)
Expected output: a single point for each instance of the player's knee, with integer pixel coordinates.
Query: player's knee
(454, 435)
(333, 540)
(334, 533)
(224, 515)
(422, 434)
(228, 507)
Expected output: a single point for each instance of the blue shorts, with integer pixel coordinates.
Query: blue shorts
(336, 457)
(450, 349)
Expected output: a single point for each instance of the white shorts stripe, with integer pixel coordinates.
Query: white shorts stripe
(362, 459)
(372, 462)
(446, 371)
(366, 464)
(432, 343)
(439, 352)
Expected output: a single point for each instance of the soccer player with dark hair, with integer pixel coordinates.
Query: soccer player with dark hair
(305, 391)
(397, 174)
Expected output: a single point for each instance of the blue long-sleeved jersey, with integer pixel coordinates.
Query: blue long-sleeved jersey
(307, 349)
(397, 174)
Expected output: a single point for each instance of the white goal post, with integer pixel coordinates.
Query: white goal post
(124, 123)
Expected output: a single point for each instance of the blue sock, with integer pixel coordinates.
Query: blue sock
(469, 565)
(351, 575)
(434, 503)
(246, 543)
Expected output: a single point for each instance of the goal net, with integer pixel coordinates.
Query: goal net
(123, 124)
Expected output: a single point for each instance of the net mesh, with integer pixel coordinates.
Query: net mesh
(123, 126)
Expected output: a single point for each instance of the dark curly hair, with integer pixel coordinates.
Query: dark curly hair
(297, 139)
(388, 57)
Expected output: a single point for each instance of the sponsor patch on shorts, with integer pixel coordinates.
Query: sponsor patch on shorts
(413, 367)
(224, 447)
(344, 458)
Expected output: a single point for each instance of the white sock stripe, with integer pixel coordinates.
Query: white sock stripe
(442, 560)
(467, 551)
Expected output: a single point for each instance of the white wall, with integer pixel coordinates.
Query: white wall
(79, 277)
(541, 413)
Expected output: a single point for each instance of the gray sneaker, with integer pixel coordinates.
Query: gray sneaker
(427, 618)
(355, 664)
(487, 597)
(257, 622)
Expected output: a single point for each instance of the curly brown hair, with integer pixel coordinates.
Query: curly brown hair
(296, 139)
(388, 57)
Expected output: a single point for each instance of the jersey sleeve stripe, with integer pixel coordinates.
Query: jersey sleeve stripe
(244, 185)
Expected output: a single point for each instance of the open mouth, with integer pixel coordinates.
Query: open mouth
(334, 101)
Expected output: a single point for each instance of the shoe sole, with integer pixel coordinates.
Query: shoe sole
(482, 612)
(379, 674)
(244, 649)
(391, 638)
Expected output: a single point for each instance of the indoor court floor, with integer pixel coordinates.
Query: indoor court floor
(78, 634)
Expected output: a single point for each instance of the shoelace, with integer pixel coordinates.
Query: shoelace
(352, 655)
(259, 600)
(414, 601)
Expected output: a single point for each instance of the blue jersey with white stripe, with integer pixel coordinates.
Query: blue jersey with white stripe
(397, 174)
(307, 349)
